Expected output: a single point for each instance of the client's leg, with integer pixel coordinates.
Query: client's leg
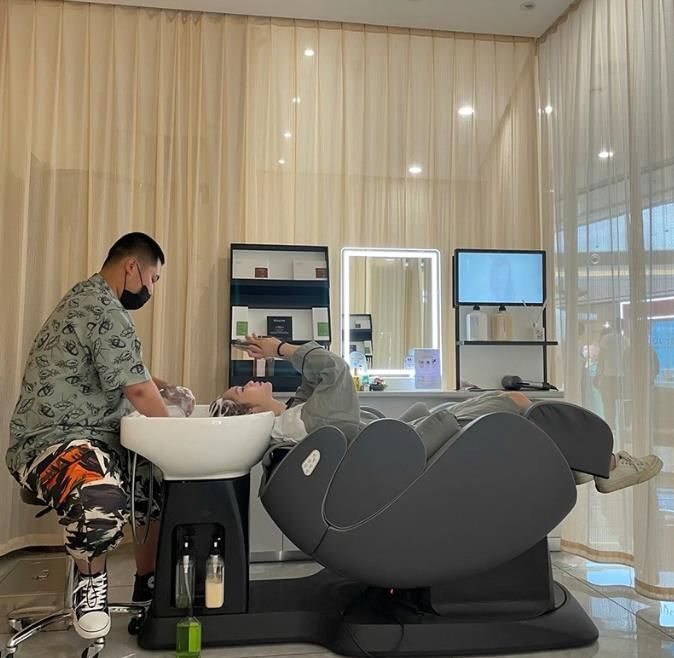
(625, 470)
(489, 402)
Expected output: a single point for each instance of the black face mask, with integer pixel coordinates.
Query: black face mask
(132, 301)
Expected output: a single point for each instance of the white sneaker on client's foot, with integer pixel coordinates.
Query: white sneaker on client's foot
(628, 472)
(91, 618)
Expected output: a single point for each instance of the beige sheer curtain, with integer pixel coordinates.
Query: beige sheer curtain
(607, 102)
(184, 125)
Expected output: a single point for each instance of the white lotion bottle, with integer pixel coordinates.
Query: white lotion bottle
(477, 326)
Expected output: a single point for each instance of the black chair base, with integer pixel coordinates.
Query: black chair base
(352, 620)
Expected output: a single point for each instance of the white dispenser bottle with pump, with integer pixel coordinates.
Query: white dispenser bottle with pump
(477, 325)
(502, 324)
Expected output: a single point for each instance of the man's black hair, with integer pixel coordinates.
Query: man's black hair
(140, 245)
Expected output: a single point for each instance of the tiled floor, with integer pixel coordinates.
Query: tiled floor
(629, 625)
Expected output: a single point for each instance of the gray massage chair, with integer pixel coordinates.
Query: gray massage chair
(433, 537)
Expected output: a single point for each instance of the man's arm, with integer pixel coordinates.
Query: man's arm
(146, 399)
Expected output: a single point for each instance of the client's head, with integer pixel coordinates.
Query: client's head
(251, 398)
(221, 408)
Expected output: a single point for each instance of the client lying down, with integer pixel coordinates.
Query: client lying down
(327, 396)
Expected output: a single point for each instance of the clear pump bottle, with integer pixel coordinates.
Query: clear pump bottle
(188, 630)
(185, 576)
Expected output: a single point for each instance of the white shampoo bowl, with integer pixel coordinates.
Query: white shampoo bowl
(199, 447)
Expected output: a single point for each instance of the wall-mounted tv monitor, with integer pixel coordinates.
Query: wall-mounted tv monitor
(491, 277)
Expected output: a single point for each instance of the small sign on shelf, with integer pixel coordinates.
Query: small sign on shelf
(427, 373)
(239, 322)
(280, 326)
(321, 323)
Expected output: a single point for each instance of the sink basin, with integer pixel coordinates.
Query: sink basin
(199, 447)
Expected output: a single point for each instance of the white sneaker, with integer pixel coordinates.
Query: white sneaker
(628, 472)
(91, 618)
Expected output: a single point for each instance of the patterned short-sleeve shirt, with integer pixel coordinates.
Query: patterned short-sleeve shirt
(83, 356)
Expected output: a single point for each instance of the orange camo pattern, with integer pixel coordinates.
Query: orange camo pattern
(72, 468)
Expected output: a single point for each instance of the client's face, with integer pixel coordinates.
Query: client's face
(253, 394)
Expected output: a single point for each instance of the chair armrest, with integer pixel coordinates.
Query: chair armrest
(294, 499)
(382, 461)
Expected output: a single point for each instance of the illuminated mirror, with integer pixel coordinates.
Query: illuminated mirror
(390, 305)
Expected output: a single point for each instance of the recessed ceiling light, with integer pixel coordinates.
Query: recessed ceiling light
(309, 52)
(604, 155)
(281, 161)
(296, 99)
(415, 169)
(466, 111)
(287, 134)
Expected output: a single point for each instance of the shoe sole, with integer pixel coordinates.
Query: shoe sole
(92, 635)
(643, 476)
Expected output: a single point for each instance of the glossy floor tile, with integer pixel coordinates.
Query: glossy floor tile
(629, 626)
(616, 582)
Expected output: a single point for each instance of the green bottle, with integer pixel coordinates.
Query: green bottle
(188, 638)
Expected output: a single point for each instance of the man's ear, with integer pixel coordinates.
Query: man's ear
(130, 264)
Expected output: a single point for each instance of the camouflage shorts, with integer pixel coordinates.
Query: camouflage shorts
(88, 487)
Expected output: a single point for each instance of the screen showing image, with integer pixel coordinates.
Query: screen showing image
(499, 277)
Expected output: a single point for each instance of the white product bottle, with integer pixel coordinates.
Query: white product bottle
(476, 325)
(502, 324)
(215, 577)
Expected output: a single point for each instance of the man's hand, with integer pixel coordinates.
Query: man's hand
(179, 396)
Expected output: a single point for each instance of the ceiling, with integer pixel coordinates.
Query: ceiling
(485, 16)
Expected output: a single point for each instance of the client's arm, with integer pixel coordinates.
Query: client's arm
(331, 395)
(327, 389)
